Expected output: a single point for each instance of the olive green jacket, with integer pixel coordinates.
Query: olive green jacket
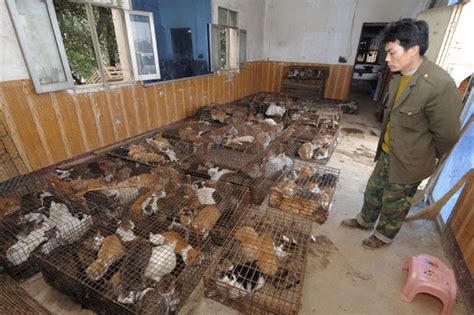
(424, 123)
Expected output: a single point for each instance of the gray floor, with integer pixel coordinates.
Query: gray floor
(341, 276)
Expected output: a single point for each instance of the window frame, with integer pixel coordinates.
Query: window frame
(68, 84)
(132, 52)
(27, 54)
(215, 50)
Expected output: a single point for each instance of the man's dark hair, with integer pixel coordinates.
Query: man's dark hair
(408, 32)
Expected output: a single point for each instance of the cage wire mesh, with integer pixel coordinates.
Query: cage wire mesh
(43, 222)
(15, 300)
(195, 208)
(155, 151)
(219, 115)
(257, 172)
(111, 184)
(314, 142)
(260, 268)
(307, 190)
(145, 265)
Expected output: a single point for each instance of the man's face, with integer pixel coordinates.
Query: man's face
(398, 58)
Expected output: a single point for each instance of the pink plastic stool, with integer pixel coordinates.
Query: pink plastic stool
(428, 274)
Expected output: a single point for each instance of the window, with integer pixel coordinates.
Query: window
(181, 35)
(228, 42)
(44, 55)
(84, 42)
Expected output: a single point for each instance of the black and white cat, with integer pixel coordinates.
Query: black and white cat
(247, 278)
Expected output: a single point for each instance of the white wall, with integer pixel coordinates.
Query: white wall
(251, 18)
(12, 65)
(320, 30)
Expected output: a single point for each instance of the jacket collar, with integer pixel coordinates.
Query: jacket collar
(414, 80)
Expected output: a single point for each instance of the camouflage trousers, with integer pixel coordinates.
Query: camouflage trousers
(387, 200)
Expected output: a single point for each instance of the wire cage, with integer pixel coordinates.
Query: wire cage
(198, 209)
(219, 115)
(312, 142)
(260, 268)
(15, 300)
(155, 151)
(306, 190)
(111, 184)
(43, 222)
(127, 269)
(191, 131)
(257, 172)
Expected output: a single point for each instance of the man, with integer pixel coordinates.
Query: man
(421, 123)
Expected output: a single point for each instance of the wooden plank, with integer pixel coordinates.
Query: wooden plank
(106, 118)
(131, 110)
(139, 108)
(29, 92)
(123, 110)
(160, 121)
(96, 112)
(198, 90)
(71, 122)
(462, 223)
(61, 125)
(278, 76)
(187, 98)
(165, 119)
(10, 123)
(112, 113)
(119, 117)
(144, 108)
(171, 102)
(151, 111)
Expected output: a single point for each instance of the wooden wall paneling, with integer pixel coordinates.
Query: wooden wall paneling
(70, 122)
(60, 124)
(131, 110)
(219, 89)
(279, 75)
(144, 107)
(93, 134)
(161, 104)
(178, 97)
(189, 97)
(152, 112)
(113, 115)
(106, 117)
(8, 98)
(462, 223)
(41, 112)
(96, 114)
(171, 102)
(197, 83)
(138, 108)
(273, 76)
(181, 93)
(330, 83)
(118, 101)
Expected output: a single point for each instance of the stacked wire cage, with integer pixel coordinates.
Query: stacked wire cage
(307, 190)
(151, 260)
(313, 140)
(15, 300)
(257, 172)
(274, 106)
(37, 219)
(155, 151)
(261, 266)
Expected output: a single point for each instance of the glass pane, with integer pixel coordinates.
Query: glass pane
(143, 44)
(233, 45)
(233, 18)
(77, 39)
(223, 47)
(109, 52)
(222, 16)
(182, 36)
(35, 21)
(243, 48)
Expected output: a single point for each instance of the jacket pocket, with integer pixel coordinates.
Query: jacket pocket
(412, 118)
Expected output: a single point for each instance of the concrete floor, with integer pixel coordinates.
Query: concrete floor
(342, 277)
